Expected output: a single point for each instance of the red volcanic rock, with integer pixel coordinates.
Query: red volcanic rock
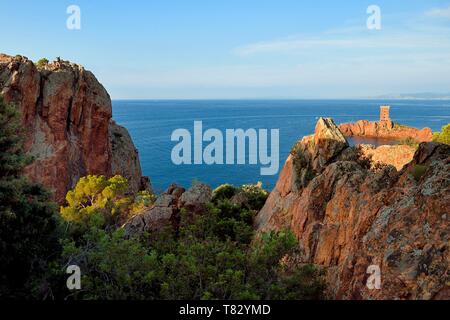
(125, 158)
(351, 213)
(67, 117)
(395, 155)
(364, 128)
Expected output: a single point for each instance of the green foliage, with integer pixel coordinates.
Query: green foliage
(210, 256)
(277, 279)
(233, 218)
(191, 266)
(12, 156)
(42, 63)
(418, 171)
(113, 267)
(443, 136)
(410, 142)
(96, 201)
(225, 191)
(143, 199)
(255, 194)
(252, 196)
(224, 221)
(28, 223)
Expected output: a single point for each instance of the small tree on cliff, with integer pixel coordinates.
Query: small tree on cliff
(27, 217)
(444, 136)
(96, 201)
(42, 63)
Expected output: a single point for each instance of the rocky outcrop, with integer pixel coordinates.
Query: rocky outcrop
(197, 197)
(67, 119)
(395, 155)
(125, 158)
(166, 210)
(350, 214)
(364, 128)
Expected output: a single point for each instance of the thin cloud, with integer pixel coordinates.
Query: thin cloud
(289, 45)
(299, 45)
(341, 62)
(439, 12)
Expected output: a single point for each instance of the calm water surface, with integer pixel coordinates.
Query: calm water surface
(151, 122)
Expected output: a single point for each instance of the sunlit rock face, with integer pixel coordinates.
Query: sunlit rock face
(361, 206)
(371, 129)
(66, 115)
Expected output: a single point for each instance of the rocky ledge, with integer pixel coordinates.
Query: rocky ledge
(352, 207)
(67, 114)
(165, 213)
(372, 129)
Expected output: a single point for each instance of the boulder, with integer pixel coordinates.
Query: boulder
(165, 212)
(197, 197)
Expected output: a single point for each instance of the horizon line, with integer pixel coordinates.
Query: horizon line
(276, 99)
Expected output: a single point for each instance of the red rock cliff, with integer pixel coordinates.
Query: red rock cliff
(67, 117)
(364, 128)
(349, 213)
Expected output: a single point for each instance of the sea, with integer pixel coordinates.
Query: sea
(152, 122)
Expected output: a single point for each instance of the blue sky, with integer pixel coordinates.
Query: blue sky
(241, 49)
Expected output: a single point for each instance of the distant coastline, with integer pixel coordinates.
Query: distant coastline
(379, 98)
(415, 96)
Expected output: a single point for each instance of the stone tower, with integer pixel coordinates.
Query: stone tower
(384, 116)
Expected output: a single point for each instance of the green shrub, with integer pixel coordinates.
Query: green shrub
(42, 63)
(212, 255)
(256, 196)
(443, 136)
(225, 191)
(96, 201)
(253, 195)
(143, 199)
(112, 267)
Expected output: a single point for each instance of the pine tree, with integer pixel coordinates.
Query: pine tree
(27, 217)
